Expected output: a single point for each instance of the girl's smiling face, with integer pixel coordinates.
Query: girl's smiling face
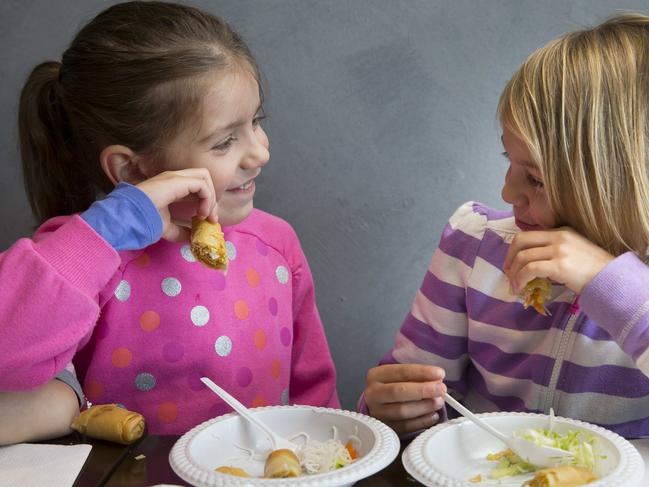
(230, 143)
(524, 187)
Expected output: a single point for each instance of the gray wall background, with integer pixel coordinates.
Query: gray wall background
(381, 122)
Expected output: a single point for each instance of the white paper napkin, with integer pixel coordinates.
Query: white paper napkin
(27, 465)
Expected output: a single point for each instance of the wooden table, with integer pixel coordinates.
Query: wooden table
(113, 465)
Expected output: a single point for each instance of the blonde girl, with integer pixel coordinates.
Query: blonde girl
(575, 121)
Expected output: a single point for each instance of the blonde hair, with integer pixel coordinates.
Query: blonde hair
(581, 104)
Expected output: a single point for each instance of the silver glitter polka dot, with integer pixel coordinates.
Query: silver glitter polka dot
(223, 346)
(123, 291)
(285, 397)
(186, 252)
(200, 315)
(231, 249)
(282, 274)
(171, 286)
(145, 381)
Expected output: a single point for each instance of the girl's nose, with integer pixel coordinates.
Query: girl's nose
(257, 154)
(512, 193)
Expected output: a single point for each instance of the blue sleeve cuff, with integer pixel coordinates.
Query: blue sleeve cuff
(127, 218)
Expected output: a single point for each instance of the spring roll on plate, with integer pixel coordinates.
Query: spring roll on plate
(562, 476)
(282, 464)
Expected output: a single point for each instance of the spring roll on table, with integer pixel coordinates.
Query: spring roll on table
(208, 244)
(110, 422)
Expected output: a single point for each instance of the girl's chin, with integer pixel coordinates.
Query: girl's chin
(229, 217)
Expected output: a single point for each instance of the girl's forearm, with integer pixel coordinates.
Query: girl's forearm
(39, 414)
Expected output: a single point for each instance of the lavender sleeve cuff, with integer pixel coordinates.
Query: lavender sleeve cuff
(127, 218)
(617, 299)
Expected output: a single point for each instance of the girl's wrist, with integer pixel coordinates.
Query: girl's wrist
(127, 218)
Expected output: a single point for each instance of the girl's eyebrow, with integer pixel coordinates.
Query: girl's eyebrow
(523, 163)
(228, 127)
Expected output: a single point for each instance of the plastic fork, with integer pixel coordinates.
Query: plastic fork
(539, 455)
(278, 442)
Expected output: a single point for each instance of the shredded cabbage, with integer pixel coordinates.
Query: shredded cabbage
(584, 456)
(510, 464)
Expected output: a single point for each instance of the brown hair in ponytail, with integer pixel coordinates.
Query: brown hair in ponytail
(134, 75)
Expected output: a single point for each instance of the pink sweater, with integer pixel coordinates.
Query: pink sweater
(143, 326)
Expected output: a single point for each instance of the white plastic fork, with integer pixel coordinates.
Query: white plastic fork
(277, 442)
(539, 455)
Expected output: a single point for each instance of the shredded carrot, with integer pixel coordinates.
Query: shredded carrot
(352, 453)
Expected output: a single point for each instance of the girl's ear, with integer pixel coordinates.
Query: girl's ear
(121, 164)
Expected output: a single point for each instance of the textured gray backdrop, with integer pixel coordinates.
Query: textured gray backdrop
(381, 122)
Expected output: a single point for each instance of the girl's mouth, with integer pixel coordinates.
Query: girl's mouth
(526, 226)
(244, 188)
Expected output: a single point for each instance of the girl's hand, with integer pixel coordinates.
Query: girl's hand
(561, 255)
(405, 397)
(171, 186)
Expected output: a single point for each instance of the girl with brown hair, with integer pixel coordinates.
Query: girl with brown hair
(158, 106)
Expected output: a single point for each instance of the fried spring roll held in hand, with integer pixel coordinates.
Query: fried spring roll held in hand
(110, 422)
(536, 293)
(281, 464)
(563, 476)
(208, 244)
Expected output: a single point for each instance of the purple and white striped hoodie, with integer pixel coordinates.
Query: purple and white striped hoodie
(589, 360)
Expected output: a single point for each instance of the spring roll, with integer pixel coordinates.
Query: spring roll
(563, 476)
(110, 422)
(237, 472)
(536, 293)
(281, 464)
(208, 244)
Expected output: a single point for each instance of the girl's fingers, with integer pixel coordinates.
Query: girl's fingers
(176, 233)
(399, 392)
(405, 373)
(414, 424)
(532, 260)
(526, 240)
(399, 411)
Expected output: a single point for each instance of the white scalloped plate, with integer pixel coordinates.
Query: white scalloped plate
(211, 444)
(449, 454)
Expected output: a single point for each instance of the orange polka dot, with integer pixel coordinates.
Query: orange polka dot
(260, 339)
(259, 401)
(121, 357)
(143, 260)
(252, 277)
(93, 390)
(168, 412)
(241, 310)
(276, 368)
(149, 320)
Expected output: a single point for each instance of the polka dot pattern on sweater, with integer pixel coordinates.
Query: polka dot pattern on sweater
(190, 321)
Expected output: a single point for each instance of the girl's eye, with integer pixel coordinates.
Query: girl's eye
(257, 120)
(505, 155)
(225, 145)
(534, 181)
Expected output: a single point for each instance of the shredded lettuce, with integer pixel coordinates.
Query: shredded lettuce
(573, 441)
(510, 464)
